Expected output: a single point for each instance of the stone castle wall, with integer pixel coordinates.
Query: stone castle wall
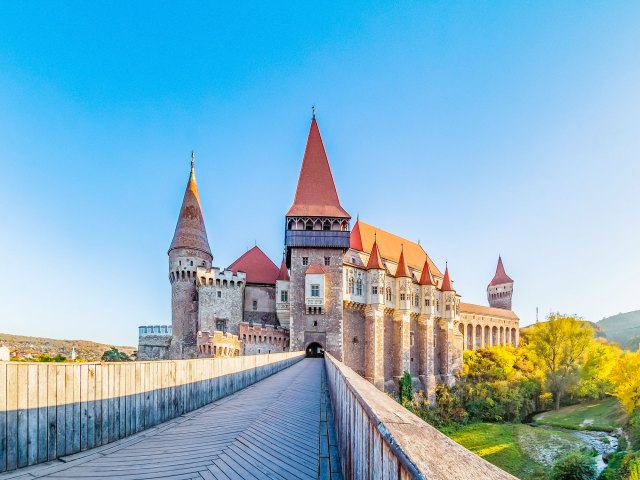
(263, 311)
(257, 340)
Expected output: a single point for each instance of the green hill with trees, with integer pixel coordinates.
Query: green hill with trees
(623, 328)
(29, 348)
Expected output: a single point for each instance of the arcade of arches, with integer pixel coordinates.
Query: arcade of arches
(483, 330)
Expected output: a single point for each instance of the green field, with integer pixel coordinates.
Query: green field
(605, 415)
(524, 451)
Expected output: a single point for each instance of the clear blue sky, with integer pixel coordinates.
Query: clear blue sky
(477, 127)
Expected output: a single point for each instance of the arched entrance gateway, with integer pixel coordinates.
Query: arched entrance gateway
(315, 350)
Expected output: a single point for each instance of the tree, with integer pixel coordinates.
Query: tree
(405, 388)
(626, 381)
(114, 355)
(560, 345)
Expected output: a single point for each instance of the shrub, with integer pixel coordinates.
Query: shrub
(574, 466)
(630, 469)
(405, 388)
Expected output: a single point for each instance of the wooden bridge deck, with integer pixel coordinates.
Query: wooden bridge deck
(279, 428)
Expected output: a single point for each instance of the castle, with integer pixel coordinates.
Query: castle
(372, 299)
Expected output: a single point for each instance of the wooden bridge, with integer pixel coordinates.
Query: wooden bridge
(273, 418)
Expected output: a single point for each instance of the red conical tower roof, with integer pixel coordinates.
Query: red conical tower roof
(190, 231)
(257, 266)
(375, 262)
(501, 276)
(402, 271)
(284, 273)
(426, 278)
(316, 194)
(446, 281)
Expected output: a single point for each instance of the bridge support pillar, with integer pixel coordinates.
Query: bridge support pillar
(426, 352)
(374, 346)
(401, 344)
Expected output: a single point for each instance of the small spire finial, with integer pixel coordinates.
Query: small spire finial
(193, 159)
(313, 111)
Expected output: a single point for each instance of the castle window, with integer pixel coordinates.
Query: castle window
(220, 325)
(180, 262)
(374, 290)
(315, 323)
(427, 302)
(351, 286)
(326, 225)
(309, 225)
(284, 296)
(191, 263)
(254, 305)
(305, 260)
(447, 307)
(402, 297)
(389, 296)
(219, 294)
(353, 260)
(412, 341)
(315, 290)
(327, 261)
(359, 287)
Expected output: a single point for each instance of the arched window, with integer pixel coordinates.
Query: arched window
(351, 285)
(309, 225)
(389, 294)
(359, 287)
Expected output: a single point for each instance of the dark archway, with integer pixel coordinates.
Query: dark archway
(315, 350)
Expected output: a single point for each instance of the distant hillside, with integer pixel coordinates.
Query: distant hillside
(26, 347)
(623, 328)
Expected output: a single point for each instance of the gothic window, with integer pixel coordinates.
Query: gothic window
(327, 261)
(305, 260)
(351, 285)
(374, 290)
(389, 297)
(284, 296)
(402, 296)
(359, 287)
(427, 302)
(315, 290)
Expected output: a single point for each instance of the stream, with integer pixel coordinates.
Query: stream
(603, 442)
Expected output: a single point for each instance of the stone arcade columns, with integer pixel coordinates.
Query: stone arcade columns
(374, 345)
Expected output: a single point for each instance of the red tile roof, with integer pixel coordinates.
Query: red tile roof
(501, 276)
(190, 231)
(446, 282)
(390, 246)
(315, 268)
(258, 267)
(316, 194)
(375, 262)
(402, 270)
(426, 278)
(284, 273)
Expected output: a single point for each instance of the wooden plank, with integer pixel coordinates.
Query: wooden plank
(84, 406)
(43, 423)
(61, 416)
(103, 392)
(76, 408)
(112, 423)
(23, 420)
(12, 416)
(68, 401)
(3, 416)
(91, 406)
(32, 414)
(52, 422)
(98, 410)
(139, 414)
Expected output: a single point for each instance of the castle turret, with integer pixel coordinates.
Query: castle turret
(426, 328)
(188, 251)
(374, 319)
(317, 234)
(449, 338)
(283, 310)
(500, 289)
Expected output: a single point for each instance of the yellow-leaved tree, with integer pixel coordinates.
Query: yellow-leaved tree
(561, 344)
(626, 381)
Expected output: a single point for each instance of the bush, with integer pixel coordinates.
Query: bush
(405, 388)
(574, 466)
(633, 430)
(630, 469)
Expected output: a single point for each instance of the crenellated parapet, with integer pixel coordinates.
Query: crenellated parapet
(218, 344)
(220, 295)
(259, 339)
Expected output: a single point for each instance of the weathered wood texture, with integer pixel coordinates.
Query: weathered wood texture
(49, 411)
(380, 439)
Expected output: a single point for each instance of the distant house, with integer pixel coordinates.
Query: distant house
(5, 354)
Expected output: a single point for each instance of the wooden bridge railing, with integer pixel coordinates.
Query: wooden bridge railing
(380, 439)
(50, 410)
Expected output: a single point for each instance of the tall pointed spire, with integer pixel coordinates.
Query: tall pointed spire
(190, 230)
(375, 261)
(426, 278)
(501, 276)
(316, 194)
(402, 270)
(446, 281)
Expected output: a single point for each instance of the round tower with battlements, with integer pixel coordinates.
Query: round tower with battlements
(188, 251)
(500, 289)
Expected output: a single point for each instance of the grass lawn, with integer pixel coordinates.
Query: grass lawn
(603, 415)
(524, 451)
